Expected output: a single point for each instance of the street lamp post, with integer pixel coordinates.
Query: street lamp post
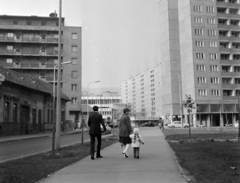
(180, 98)
(87, 106)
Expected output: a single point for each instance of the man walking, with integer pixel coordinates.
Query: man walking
(94, 122)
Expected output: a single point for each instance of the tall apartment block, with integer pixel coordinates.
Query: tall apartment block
(143, 93)
(209, 34)
(29, 44)
(170, 58)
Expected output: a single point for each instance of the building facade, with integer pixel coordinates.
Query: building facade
(26, 104)
(106, 104)
(143, 93)
(29, 44)
(210, 58)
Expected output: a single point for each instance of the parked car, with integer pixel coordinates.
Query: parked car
(177, 124)
(148, 124)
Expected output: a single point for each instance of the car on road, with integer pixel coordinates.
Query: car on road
(148, 124)
(177, 124)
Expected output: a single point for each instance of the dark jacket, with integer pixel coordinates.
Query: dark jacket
(125, 128)
(94, 122)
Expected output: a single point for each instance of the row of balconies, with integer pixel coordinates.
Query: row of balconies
(18, 65)
(228, 56)
(28, 39)
(26, 52)
(227, 2)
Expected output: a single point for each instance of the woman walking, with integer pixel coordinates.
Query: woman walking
(125, 129)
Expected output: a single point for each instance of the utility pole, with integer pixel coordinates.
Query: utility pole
(58, 119)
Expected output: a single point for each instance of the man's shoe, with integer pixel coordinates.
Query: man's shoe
(99, 157)
(92, 158)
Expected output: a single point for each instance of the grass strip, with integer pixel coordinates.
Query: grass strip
(210, 158)
(34, 168)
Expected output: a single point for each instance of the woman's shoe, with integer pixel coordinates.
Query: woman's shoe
(125, 155)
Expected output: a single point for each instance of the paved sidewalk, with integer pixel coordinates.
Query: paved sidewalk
(32, 136)
(156, 164)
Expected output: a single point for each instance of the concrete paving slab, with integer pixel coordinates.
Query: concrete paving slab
(156, 164)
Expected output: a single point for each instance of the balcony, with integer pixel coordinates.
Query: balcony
(231, 3)
(30, 66)
(33, 52)
(10, 26)
(28, 40)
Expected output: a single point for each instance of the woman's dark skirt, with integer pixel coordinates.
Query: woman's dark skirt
(125, 140)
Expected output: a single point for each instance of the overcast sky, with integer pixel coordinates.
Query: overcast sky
(120, 37)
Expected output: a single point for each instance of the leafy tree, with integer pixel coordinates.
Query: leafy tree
(189, 105)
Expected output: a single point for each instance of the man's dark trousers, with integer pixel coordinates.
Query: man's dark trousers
(99, 139)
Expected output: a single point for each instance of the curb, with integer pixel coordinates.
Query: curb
(41, 136)
(32, 154)
(186, 175)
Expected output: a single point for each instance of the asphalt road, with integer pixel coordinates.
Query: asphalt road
(21, 148)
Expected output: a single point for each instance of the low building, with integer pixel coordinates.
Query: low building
(26, 103)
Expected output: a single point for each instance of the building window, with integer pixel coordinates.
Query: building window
(213, 44)
(9, 60)
(152, 76)
(198, 31)
(29, 22)
(212, 32)
(74, 87)
(211, 21)
(74, 49)
(201, 68)
(213, 56)
(202, 92)
(202, 80)
(74, 100)
(10, 48)
(198, 19)
(152, 80)
(215, 92)
(214, 80)
(199, 43)
(200, 56)
(74, 61)
(197, 8)
(6, 111)
(43, 22)
(74, 36)
(15, 111)
(210, 9)
(142, 76)
(213, 68)
(74, 74)
(15, 22)
(9, 34)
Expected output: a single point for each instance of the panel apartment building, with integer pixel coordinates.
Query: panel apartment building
(209, 37)
(29, 44)
(142, 92)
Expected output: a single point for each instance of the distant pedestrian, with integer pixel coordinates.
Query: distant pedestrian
(161, 123)
(137, 140)
(94, 122)
(125, 129)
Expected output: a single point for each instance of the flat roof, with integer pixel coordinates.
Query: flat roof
(29, 17)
